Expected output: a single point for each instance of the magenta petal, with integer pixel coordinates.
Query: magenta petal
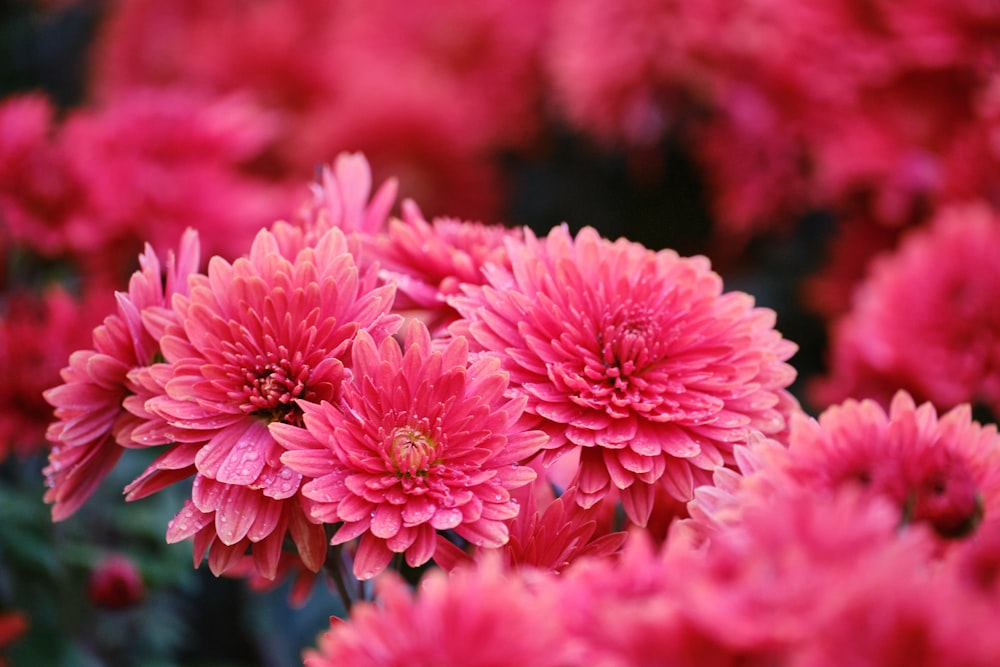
(354, 508)
(637, 501)
(405, 537)
(620, 477)
(423, 547)
(310, 462)
(484, 533)
(386, 522)
(678, 480)
(266, 521)
(351, 529)
(372, 557)
(418, 509)
(186, 523)
(207, 494)
(593, 476)
(446, 518)
(246, 459)
(237, 514)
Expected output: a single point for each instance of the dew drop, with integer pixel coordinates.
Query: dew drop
(372, 513)
(515, 464)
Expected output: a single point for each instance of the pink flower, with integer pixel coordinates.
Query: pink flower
(172, 159)
(942, 473)
(549, 534)
(252, 338)
(41, 201)
(476, 617)
(424, 441)
(116, 583)
(340, 198)
(91, 424)
(635, 357)
(428, 261)
(810, 575)
(925, 318)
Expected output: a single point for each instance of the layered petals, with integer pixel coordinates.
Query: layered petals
(635, 356)
(423, 441)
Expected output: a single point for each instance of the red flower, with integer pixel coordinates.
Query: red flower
(116, 583)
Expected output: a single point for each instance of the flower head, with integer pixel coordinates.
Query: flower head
(424, 440)
(92, 424)
(938, 472)
(549, 533)
(477, 617)
(253, 338)
(925, 319)
(636, 357)
(429, 260)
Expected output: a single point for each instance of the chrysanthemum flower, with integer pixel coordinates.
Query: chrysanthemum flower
(424, 440)
(252, 338)
(428, 261)
(943, 471)
(634, 356)
(926, 318)
(340, 198)
(549, 538)
(939, 472)
(476, 617)
(91, 424)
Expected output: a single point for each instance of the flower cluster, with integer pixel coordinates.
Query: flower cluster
(853, 545)
(277, 384)
(533, 441)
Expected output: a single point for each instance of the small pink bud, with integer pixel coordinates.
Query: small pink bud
(116, 583)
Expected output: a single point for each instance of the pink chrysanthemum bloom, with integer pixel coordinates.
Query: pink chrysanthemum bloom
(428, 261)
(549, 533)
(634, 356)
(804, 566)
(476, 617)
(943, 471)
(252, 338)
(92, 426)
(425, 441)
(340, 198)
(41, 201)
(940, 472)
(926, 318)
